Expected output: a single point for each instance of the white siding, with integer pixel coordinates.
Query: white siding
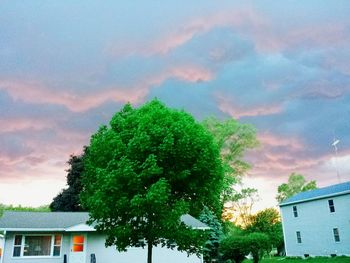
(315, 223)
(95, 244)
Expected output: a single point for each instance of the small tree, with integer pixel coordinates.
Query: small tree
(296, 184)
(149, 167)
(211, 247)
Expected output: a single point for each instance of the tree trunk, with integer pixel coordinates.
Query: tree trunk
(149, 254)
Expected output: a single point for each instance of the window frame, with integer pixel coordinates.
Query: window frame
(336, 235)
(299, 239)
(331, 206)
(52, 245)
(295, 211)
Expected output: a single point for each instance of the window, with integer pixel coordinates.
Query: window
(331, 206)
(295, 211)
(336, 235)
(57, 245)
(37, 245)
(298, 237)
(17, 246)
(78, 244)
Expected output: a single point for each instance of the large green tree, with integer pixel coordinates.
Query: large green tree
(296, 184)
(68, 199)
(142, 172)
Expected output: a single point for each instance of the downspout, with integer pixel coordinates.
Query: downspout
(3, 250)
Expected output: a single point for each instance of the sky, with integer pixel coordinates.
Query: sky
(67, 66)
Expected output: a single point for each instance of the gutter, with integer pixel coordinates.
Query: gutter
(33, 229)
(314, 198)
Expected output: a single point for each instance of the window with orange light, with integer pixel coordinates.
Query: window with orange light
(78, 244)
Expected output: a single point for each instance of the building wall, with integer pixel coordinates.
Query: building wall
(95, 244)
(315, 223)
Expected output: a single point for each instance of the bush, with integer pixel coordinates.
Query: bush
(237, 247)
(258, 244)
(234, 248)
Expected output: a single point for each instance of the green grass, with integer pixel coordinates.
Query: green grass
(308, 260)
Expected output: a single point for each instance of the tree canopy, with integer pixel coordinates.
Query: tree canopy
(68, 199)
(149, 167)
(296, 184)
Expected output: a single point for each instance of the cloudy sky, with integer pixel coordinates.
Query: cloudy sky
(67, 66)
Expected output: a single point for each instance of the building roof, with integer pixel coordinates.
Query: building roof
(42, 220)
(62, 221)
(325, 192)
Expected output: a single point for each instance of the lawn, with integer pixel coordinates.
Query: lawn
(308, 260)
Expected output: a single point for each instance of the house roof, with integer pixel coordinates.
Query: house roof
(62, 221)
(320, 193)
(42, 220)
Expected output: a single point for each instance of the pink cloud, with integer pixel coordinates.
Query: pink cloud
(18, 124)
(247, 21)
(237, 111)
(242, 17)
(39, 93)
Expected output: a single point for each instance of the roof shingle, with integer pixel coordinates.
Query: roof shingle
(62, 220)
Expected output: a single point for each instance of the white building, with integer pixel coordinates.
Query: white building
(317, 222)
(64, 237)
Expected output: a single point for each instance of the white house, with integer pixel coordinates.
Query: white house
(317, 222)
(64, 237)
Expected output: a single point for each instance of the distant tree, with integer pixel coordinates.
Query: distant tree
(149, 167)
(296, 184)
(268, 221)
(43, 208)
(234, 139)
(68, 199)
(215, 235)
(239, 209)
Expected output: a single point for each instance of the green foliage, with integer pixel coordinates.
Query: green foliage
(258, 244)
(341, 259)
(296, 184)
(235, 248)
(68, 199)
(233, 139)
(149, 167)
(211, 247)
(268, 222)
